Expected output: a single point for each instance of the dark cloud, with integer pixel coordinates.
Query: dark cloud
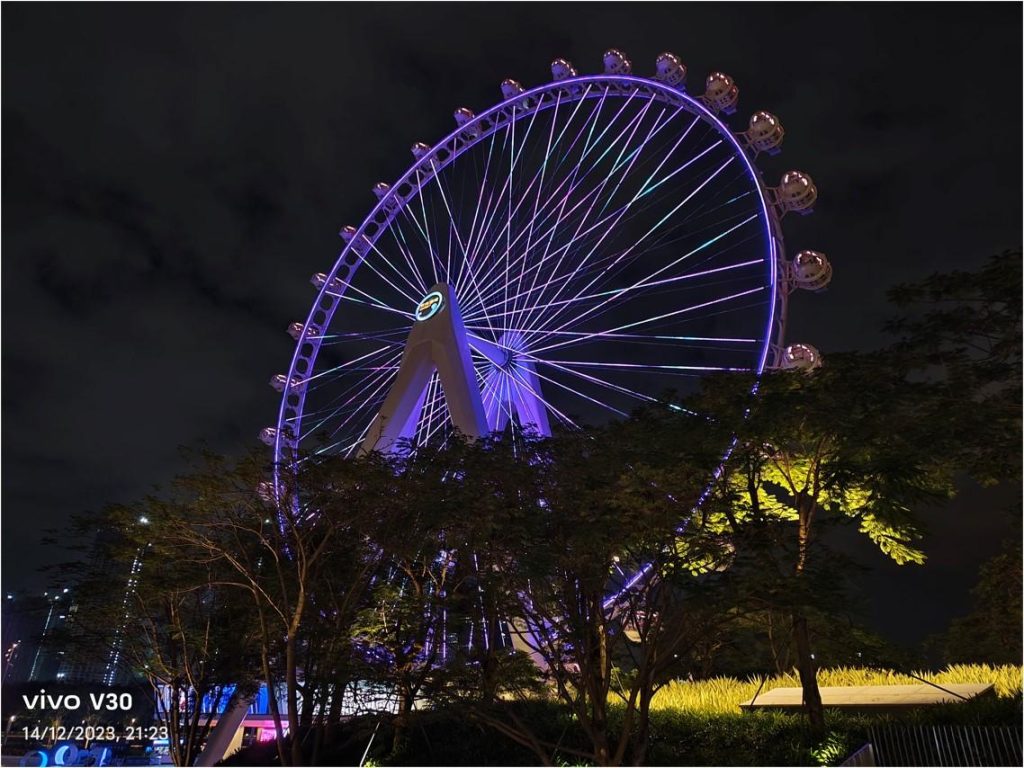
(174, 173)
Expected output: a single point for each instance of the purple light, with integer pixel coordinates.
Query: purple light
(513, 306)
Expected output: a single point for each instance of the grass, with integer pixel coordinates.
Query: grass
(692, 723)
(724, 694)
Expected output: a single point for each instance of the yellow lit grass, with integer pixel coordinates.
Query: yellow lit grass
(724, 694)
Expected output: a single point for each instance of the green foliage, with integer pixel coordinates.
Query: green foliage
(831, 749)
(853, 440)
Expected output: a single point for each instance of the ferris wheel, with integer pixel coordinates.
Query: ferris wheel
(561, 258)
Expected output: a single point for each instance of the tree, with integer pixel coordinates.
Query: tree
(431, 628)
(588, 510)
(991, 632)
(148, 606)
(963, 329)
(852, 441)
(299, 549)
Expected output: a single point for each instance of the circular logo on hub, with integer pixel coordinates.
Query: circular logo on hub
(429, 306)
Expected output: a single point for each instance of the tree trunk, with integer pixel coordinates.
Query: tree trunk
(801, 637)
(808, 671)
(318, 739)
(275, 710)
(401, 722)
(293, 700)
(334, 711)
(173, 723)
(642, 733)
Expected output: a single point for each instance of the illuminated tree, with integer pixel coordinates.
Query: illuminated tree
(853, 441)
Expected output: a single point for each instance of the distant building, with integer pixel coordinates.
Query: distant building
(40, 631)
(32, 627)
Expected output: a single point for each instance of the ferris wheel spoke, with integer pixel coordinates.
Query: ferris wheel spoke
(526, 252)
(514, 398)
(607, 179)
(374, 302)
(443, 417)
(487, 300)
(644, 366)
(574, 180)
(346, 365)
(599, 309)
(453, 225)
(434, 431)
(356, 391)
(449, 260)
(619, 214)
(416, 291)
(665, 158)
(592, 379)
(479, 202)
(398, 236)
(428, 409)
(576, 392)
(490, 213)
(570, 179)
(591, 121)
(640, 337)
(349, 449)
(643, 237)
(351, 387)
(435, 413)
(391, 337)
(409, 211)
(600, 187)
(540, 186)
(514, 159)
(631, 160)
(521, 381)
(674, 313)
(431, 242)
(647, 281)
(599, 225)
(490, 392)
(508, 226)
(466, 259)
(615, 291)
(587, 147)
(494, 194)
(505, 387)
(369, 402)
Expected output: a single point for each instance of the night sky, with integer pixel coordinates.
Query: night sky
(174, 174)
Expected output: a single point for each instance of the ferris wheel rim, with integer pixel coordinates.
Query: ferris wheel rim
(522, 105)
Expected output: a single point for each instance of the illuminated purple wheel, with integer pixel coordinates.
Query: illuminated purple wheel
(605, 238)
